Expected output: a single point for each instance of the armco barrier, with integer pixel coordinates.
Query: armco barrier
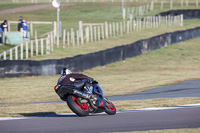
(187, 13)
(17, 68)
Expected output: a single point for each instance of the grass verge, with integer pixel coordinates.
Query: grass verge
(197, 130)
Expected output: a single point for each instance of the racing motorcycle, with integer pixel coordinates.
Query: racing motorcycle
(83, 99)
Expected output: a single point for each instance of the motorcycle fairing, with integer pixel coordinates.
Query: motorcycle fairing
(100, 103)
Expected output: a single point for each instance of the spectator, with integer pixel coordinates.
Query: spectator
(0, 31)
(20, 23)
(4, 25)
(25, 28)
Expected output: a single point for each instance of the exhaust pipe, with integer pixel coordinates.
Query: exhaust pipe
(86, 96)
(81, 94)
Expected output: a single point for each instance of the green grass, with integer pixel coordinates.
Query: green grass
(197, 130)
(11, 6)
(5, 47)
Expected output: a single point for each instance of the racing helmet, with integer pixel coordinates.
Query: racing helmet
(65, 71)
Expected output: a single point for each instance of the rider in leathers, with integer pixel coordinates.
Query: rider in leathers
(77, 79)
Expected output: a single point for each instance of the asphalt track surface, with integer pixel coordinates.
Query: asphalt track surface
(188, 117)
(189, 88)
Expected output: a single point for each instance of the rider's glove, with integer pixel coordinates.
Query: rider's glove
(90, 80)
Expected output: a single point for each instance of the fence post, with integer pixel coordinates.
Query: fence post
(58, 40)
(130, 26)
(55, 29)
(121, 29)
(117, 28)
(82, 40)
(31, 48)
(36, 46)
(95, 33)
(181, 19)
(26, 50)
(91, 34)
(124, 27)
(114, 29)
(98, 30)
(81, 31)
(197, 3)
(154, 21)
(80, 28)
(68, 42)
(9, 28)
(152, 5)
(137, 25)
(16, 53)
(186, 2)
(77, 37)
(47, 46)
(171, 4)
(64, 37)
(31, 28)
(4, 55)
(106, 29)
(11, 54)
(134, 24)
(181, 3)
(144, 20)
(72, 37)
(51, 40)
(35, 34)
(102, 32)
(5, 37)
(110, 29)
(42, 46)
(127, 31)
(22, 54)
(161, 5)
(87, 34)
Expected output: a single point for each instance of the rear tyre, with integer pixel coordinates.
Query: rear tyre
(81, 109)
(110, 108)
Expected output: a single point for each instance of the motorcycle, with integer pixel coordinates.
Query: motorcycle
(83, 99)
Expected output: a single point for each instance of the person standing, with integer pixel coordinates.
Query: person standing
(19, 26)
(0, 33)
(25, 28)
(4, 25)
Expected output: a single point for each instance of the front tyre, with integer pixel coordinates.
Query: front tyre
(110, 108)
(81, 109)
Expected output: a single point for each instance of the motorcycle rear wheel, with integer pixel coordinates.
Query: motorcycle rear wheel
(79, 109)
(110, 107)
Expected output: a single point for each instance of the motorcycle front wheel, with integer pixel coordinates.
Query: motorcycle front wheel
(110, 108)
(81, 109)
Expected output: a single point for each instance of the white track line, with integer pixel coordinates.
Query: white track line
(120, 111)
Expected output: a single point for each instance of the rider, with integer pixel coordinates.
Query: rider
(77, 79)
